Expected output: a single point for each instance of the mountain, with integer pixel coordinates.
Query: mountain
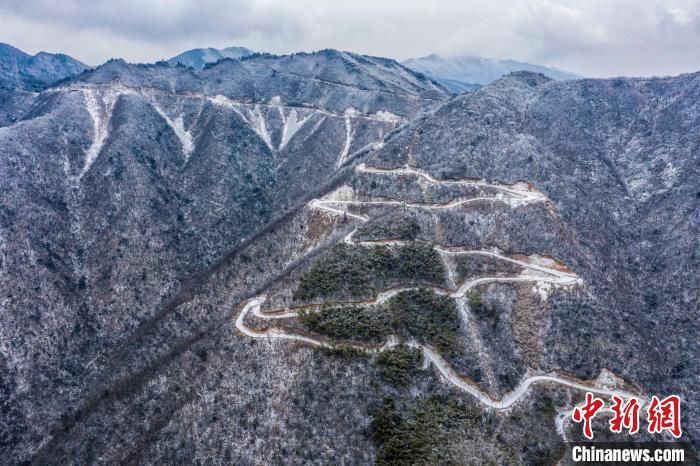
(138, 179)
(461, 73)
(19, 70)
(198, 58)
(327, 258)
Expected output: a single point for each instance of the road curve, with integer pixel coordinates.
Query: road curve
(449, 374)
(543, 274)
(526, 190)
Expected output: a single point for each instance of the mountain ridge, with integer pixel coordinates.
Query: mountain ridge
(198, 58)
(257, 77)
(469, 72)
(35, 72)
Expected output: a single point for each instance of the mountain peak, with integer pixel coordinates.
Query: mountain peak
(19, 70)
(200, 57)
(7, 49)
(531, 78)
(465, 72)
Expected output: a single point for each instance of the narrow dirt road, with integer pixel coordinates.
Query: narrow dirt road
(537, 269)
(432, 356)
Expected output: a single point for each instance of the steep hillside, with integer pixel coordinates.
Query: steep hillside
(137, 182)
(320, 258)
(19, 70)
(619, 160)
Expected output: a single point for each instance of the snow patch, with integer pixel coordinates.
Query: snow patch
(178, 127)
(382, 115)
(100, 108)
(228, 103)
(257, 122)
(184, 135)
(292, 124)
(316, 126)
(349, 134)
(252, 116)
(639, 183)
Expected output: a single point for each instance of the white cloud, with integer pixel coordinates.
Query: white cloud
(595, 37)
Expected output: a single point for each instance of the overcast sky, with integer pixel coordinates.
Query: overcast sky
(588, 37)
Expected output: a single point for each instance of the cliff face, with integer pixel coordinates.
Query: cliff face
(155, 218)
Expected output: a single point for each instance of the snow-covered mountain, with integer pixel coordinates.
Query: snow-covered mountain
(198, 58)
(19, 70)
(174, 167)
(326, 258)
(461, 73)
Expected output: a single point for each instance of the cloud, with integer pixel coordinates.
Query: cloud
(141, 30)
(622, 37)
(150, 20)
(595, 38)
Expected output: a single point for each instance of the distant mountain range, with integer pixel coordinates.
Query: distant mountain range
(198, 58)
(19, 70)
(461, 73)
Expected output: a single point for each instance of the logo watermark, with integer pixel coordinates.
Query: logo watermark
(630, 453)
(662, 415)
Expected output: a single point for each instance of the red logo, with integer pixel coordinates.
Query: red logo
(626, 415)
(661, 415)
(665, 415)
(587, 413)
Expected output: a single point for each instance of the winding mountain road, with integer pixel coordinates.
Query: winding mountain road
(533, 271)
(521, 189)
(432, 356)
